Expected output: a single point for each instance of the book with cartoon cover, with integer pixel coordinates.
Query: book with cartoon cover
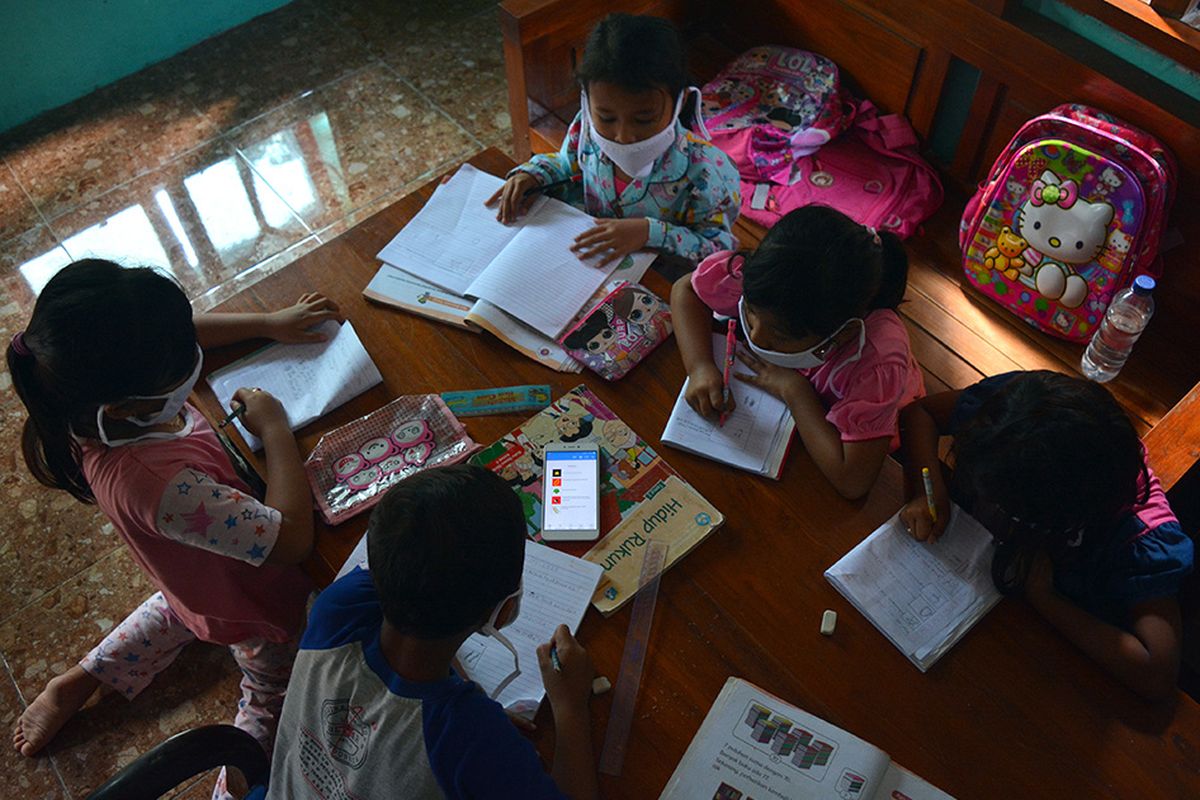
(642, 498)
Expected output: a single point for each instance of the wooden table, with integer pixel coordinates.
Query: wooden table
(1012, 711)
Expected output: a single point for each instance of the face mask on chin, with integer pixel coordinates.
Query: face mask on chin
(805, 359)
(489, 629)
(173, 402)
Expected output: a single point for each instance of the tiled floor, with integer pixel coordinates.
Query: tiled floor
(221, 165)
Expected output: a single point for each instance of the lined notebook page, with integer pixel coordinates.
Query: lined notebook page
(537, 278)
(558, 589)
(308, 379)
(751, 433)
(922, 596)
(454, 237)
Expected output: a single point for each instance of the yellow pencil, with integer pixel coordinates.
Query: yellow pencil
(928, 481)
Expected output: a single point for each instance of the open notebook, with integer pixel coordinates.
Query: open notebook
(922, 596)
(754, 437)
(454, 262)
(557, 590)
(308, 379)
(754, 745)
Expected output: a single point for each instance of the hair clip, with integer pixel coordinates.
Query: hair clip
(874, 235)
(18, 344)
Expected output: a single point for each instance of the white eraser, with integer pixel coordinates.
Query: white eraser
(828, 622)
(601, 685)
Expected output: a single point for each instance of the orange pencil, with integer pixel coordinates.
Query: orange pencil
(730, 350)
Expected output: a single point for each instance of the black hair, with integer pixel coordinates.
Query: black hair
(636, 53)
(578, 338)
(817, 268)
(445, 546)
(99, 333)
(585, 430)
(1055, 452)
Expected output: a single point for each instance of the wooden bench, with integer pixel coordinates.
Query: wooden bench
(905, 62)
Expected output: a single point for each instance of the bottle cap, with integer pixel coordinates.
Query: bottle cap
(1143, 284)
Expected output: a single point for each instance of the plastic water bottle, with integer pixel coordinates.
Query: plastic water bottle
(1123, 323)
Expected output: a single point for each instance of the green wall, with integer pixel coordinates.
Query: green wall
(53, 51)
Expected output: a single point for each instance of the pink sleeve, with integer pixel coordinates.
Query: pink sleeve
(717, 281)
(871, 407)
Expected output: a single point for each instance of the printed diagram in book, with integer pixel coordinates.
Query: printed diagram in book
(784, 742)
(849, 785)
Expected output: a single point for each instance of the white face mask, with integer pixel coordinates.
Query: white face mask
(635, 159)
(173, 402)
(805, 359)
(490, 629)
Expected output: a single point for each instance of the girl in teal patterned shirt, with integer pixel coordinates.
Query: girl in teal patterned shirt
(628, 160)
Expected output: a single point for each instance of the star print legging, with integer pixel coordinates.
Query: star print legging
(150, 638)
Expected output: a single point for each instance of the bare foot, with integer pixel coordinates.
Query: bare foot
(51, 709)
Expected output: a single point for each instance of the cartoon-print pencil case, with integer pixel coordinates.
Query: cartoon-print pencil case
(619, 331)
(352, 467)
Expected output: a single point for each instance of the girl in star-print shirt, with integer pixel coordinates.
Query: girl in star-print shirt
(104, 370)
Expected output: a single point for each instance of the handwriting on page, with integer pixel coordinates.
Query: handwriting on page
(307, 379)
(454, 237)
(558, 588)
(538, 279)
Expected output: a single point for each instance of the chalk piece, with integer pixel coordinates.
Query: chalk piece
(828, 622)
(601, 685)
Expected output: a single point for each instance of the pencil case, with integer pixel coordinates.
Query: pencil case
(352, 467)
(619, 331)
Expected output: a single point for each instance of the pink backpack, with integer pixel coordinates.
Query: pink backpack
(798, 139)
(772, 105)
(1071, 213)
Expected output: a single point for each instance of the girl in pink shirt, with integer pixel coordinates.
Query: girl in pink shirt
(104, 370)
(816, 302)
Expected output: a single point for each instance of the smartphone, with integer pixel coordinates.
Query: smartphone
(571, 492)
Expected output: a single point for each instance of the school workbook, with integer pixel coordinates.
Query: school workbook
(556, 590)
(456, 263)
(754, 746)
(923, 596)
(642, 498)
(309, 380)
(755, 435)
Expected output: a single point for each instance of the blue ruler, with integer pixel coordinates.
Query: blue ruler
(503, 400)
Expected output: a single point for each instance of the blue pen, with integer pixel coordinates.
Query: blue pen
(554, 662)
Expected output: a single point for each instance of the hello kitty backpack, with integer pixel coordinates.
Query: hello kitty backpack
(1070, 214)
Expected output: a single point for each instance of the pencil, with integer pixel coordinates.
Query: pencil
(545, 187)
(232, 415)
(928, 481)
(730, 350)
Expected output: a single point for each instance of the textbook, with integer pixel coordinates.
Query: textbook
(557, 589)
(922, 596)
(308, 379)
(755, 437)
(754, 746)
(455, 263)
(642, 498)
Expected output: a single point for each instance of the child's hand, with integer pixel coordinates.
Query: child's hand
(779, 381)
(511, 197)
(706, 392)
(292, 324)
(613, 239)
(262, 410)
(915, 517)
(572, 687)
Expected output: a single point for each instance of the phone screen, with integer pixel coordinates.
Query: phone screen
(570, 498)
